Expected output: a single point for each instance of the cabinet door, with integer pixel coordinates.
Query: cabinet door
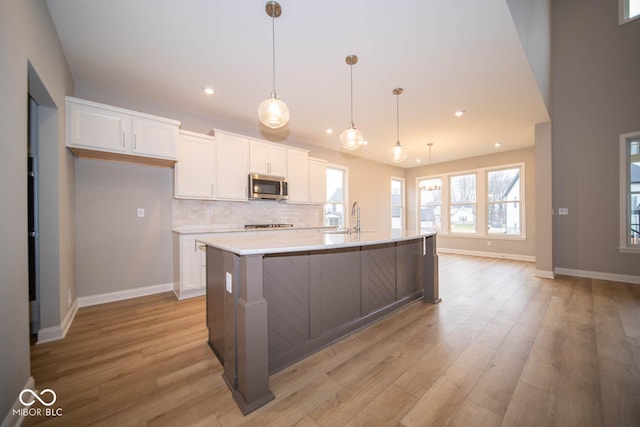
(97, 128)
(195, 171)
(317, 181)
(190, 265)
(278, 161)
(232, 171)
(154, 138)
(298, 176)
(258, 157)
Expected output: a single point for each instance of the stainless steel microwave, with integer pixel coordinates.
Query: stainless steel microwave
(267, 187)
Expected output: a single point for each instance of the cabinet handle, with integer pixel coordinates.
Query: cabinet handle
(122, 139)
(211, 194)
(135, 141)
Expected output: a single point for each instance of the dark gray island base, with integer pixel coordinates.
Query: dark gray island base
(266, 311)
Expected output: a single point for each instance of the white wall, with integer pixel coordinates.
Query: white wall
(27, 36)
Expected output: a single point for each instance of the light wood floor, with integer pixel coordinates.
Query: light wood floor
(503, 348)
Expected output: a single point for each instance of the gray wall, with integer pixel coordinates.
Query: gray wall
(522, 248)
(116, 250)
(27, 36)
(596, 97)
(544, 201)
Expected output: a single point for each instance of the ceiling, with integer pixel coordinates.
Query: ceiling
(446, 55)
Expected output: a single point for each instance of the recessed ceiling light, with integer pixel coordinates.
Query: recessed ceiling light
(497, 145)
(459, 113)
(365, 142)
(208, 91)
(329, 131)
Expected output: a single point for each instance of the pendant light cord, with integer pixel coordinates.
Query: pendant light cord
(398, 119)
(351, 82)
(273, 61)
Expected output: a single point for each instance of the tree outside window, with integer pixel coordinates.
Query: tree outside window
(430, 203)
(463, 204)
(334, 209)
(503, 201)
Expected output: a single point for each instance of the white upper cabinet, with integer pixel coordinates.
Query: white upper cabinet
(317, 180)
(195, 172)
(232, 166)
(94, 128)
(298, 175)
(268, 158)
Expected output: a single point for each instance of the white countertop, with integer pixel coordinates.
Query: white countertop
(205, 229)
(256, 243)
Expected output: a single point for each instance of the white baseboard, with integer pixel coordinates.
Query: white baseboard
(122, 295)
(545, 274)
(189, 294)
(514, 257)
(11, 420)
(58, 332)
(599, 275)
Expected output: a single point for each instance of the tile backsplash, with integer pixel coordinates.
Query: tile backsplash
(236, 214)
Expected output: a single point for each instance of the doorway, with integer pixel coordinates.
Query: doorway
(32, 218)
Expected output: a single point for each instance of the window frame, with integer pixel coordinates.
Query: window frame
(345, 195)
(625, 191)
(443, 220)
(623, 13)
(520, 201)
(402, 205)
(481, 202)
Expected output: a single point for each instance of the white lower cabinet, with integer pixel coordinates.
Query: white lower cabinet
(190, 264)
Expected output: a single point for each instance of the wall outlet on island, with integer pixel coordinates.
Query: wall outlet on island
(229, 282)
(488, 242)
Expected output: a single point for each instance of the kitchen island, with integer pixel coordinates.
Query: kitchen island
(274, 298)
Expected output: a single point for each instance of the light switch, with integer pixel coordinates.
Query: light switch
(140, 212)
(229, 282)
(563, 211)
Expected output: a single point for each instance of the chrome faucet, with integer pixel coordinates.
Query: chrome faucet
(355, 211)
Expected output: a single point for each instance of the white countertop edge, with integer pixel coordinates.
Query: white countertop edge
(205, 229)
(311, 241)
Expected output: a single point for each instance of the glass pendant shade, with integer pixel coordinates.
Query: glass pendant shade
(351, 139)
(273, 113)
(396, 154)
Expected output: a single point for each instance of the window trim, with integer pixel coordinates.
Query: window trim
(403, 203)
(623, 13)
(481, 202)
(624, 201)
(345, 195)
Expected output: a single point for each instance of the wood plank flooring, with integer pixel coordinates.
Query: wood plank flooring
(503, 348)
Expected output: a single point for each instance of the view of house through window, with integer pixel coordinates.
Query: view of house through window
(430, 202)
(462, 203)
(503, 201)
(397, 203)
(334, 209)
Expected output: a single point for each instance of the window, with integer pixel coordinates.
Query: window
(430, 203)
(630, 192)
(397, 203)
(503, 201)
(462, 208)
(485, 202)
(334, 209)
(629, 10)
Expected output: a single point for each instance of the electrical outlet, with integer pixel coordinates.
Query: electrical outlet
(563, 211)
(140, 212)
(488, 242)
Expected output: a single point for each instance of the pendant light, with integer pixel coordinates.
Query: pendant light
(272, 112)
(396, 154)
(431, 187)
(351, 139)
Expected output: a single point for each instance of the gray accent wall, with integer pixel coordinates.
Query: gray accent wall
(596, 97)
(30, 53)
